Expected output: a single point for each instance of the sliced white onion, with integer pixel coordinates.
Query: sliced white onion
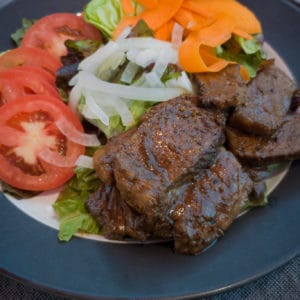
(183, 82)
(142, 43)
(73, 80)
(92, 62)
(108, 67)
(75, 96)
(129, 72)
(123, 111)
(89, 81)
(54, 158)
(144, 57)
(74, 135)
(124, 34)
(85, 161)
(96, 109)
(177, 35)
(109, 105)
(87, 113)
(152, 80)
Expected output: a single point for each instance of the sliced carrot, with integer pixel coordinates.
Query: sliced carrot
(148, 4)
(165, 31)
(197, 7)
(244, 73)
(154, 17)
(242, 34)
(189, 19)
(243, 17)
(127, 7)
(218, 32)
(194, 57)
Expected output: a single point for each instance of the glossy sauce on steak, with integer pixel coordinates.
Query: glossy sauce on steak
(178, 140)
(205, 207)
(268, 101)
(170, 176)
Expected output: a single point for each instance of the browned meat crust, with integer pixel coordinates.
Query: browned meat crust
(269, 95)
(283, 146)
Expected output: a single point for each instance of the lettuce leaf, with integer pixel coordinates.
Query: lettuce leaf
(19, 34)
(104, 15)
(248, 53)
(70, 205)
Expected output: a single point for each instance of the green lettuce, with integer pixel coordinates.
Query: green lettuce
(19, 34)
(70, 205)
(104, 15)
(248, 53)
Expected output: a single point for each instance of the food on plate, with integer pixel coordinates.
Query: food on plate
(18, 82)
(28, 56)
(34, 154)
(267, 102)
(50, 32)
(192, 115)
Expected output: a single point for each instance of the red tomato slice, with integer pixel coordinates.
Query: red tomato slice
(34, 70)
(51, 32)
(27, 128)
(28, 56)
(17, 83)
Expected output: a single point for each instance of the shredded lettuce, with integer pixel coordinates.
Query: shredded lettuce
(70, 205)
(248, 53)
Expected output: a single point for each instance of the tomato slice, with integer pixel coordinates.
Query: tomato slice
(50, 32)
(28, 56)
(27, 129)
(18, 83)
(36, 71)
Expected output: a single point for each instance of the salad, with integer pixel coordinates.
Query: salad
(75, 81)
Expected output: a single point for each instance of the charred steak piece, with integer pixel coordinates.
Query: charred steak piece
(176, 142)
(168, 147)
(284, 145)
(223, 89)
(115, 217)
(268, 102)
(207, 206)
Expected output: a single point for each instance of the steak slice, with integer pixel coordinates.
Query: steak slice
(207, 206)
(176, 140)
(223, 89)
(268, 102)
(115, 217)
(284, 145)
(167, 148)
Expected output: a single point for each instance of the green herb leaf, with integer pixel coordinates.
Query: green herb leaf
(17, 36)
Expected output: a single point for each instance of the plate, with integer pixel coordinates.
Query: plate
(255, 244)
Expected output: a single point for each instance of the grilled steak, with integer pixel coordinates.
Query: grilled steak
(268, 102)
(204, 208)
(116, 218)
(178, 140)
(284, 145)
(223, 89)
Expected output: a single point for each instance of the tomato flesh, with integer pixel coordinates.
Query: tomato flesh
(31, 121)
(17, 83)
(29, 56)
(50, 33)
